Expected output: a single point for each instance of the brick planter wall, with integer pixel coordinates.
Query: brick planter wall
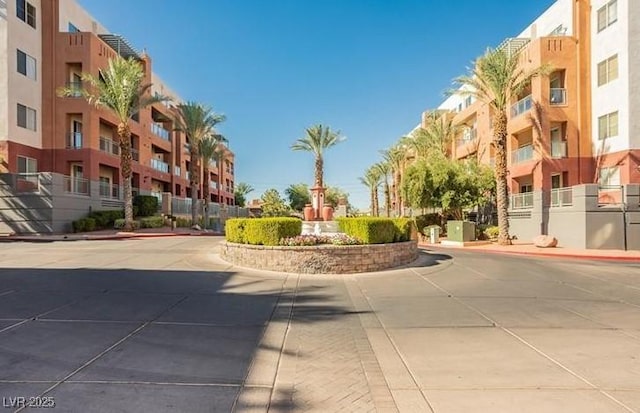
(321, 259)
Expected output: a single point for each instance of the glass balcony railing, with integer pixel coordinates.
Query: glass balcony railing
(109, 191)
(523, 200)
(522, 106)
(159, 165)
(135, 155)
(158, 130)
(109, 146)
(558, 149)
(74, 141)
(79, 186)
(561, 197)
(523, 154)
(469, 135)
(558, 96)
(177, 171)
(75, 88)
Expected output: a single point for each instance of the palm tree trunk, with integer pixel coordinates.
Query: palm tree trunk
(205, 192)
(372, 201)
(124, 133)
(375, 202)
(387, 198)
(502, 192)
(194, 178)
(319, 170)
(396, 190)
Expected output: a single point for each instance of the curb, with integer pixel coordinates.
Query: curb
(110, 237)
(536, 254)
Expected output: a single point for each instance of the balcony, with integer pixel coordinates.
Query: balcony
(109, 191)
(159, 131)
(522, 106)
(75, 89)
(135, 155)
(187, 176)
(523, 200)
(558, 96)
(159, 165)
(558, 149)
(74, 140)
(177, 171)
(561, 197)
(78, 186)
(523, 154)
(213, 185)
(109, 146)
(468, 135)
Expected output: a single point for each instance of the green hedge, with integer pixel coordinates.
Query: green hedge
(152, 222)
(261, 231)
(370, 230)
(145, 205)
(119, 223)
(403, 229)
(84, 225)
(106, 219)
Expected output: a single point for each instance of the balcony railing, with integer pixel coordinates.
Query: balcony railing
(79, 186)
(561, 197)
(523, 154)
(522, 106)
(177, 171)
(109, 191)
(158, 130)
(75, 140)
(468, 135)
(135, 155)
(27, 183)
(109, 146)
(558, 149)
(213, 185)
(75, 88)
(187, 175)
(558, 96)
(523, 200)
(159, 165)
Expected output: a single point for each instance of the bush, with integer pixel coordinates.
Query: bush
(152, 222)
(145, 205)
(492, 232)
(261, 231)
(84, 225)
(424, 221)
(403, 229)
(119, 224)
(369, 230)
(106, 219)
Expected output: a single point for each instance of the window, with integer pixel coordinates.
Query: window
(26, 117)
(468, 101)
(607, 15)
(73, 28)
(27, 165)
(26, 65)
(609, 176)
(26, 12)
(608, 70)
(608, 125)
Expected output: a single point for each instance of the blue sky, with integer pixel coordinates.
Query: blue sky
(365, 67)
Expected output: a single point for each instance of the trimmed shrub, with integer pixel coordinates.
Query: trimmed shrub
(261, 231)
(403, 229)
(84, 225)
(152, 222)
(370, 230)
(106, 219)
(492, 232)
(145, 205)
(119, 224)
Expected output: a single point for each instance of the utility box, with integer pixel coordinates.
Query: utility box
(461, 231)
(434, 234)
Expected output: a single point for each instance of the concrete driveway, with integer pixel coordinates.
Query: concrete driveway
(162, 325)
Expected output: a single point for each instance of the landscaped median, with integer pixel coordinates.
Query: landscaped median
(366, 245)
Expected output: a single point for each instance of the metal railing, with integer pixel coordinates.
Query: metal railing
(558, 149)
(609, 195)
(159, 165)
(27, 183)
(159, 131)
(558, 96)
(522, 106)
(75, 140)
(135, 155)
(78, 186)
(109, 146)
(177, 171)
(522, 154)
(523, 200)
(110, 191)
(561, 197)
(75, 88)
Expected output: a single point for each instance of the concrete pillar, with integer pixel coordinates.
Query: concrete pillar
(585, 197)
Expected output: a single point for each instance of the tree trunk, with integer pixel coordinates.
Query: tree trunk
(124, 133)
(387, 198)
(319, 167)
(194, 178)
(372, 201)
(502, 191)
(375, 202)
(206, 193)
(396, 191)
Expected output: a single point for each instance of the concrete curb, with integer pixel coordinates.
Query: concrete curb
(106, 237)
(533, 254)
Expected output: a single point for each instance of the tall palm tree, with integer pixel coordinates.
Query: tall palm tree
(241, 191)
(440, 131)
(197, 121)
(385, 169)
(121, 89)
(207, 148)
(496, 79)
(395, 157)
(318, 138)
(371, 179)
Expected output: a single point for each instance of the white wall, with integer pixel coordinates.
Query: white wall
(613, 96)
(634, 74)
(559, 13)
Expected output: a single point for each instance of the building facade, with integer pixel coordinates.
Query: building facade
(48, 44)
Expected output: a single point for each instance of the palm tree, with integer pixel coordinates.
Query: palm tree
(317, 139)
(439, 132)
(395, 157)
(496, 79)
(121, 89)
(241, 191)
(371, 179)
(384, 169)
(207, 149)
(197, 121)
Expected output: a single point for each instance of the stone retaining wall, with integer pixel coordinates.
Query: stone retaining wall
(321, 259)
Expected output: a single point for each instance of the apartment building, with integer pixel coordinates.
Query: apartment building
(581, 123)
(47, 44)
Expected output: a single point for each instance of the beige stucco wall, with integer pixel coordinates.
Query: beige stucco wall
(3, 77)
(634, 74)
(71, 12)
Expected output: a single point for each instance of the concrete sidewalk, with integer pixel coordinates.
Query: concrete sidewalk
(110, 235)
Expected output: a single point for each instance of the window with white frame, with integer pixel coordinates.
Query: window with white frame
(608, 125)
(607, 15)
(27, 165)
(609, 176)
(608, 70)
(26, 12)
(26, 117)
(26, 65)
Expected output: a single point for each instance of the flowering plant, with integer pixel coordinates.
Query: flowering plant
(310, 240)
(344, 239)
